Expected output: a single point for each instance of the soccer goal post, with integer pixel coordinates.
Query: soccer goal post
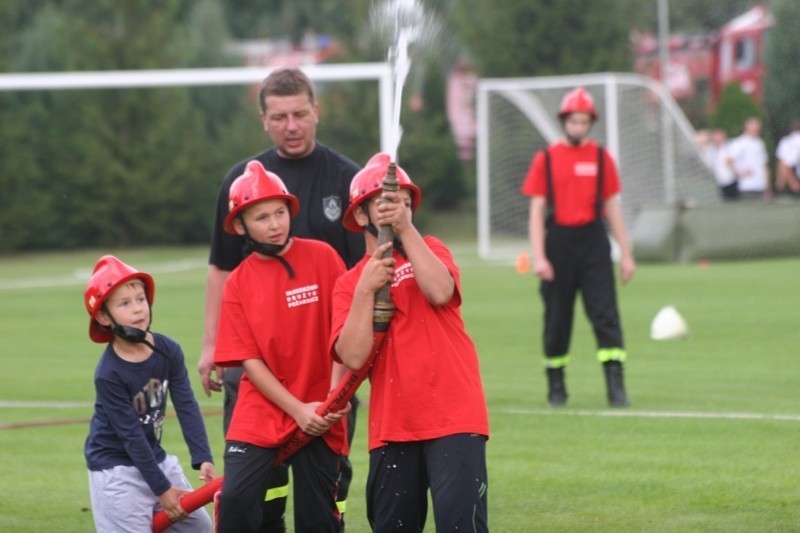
(131, 79)
(640, 124)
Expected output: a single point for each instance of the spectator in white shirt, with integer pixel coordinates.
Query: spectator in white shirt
(788, 166)
(747, 158)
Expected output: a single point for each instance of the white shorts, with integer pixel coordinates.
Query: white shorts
(123, 502)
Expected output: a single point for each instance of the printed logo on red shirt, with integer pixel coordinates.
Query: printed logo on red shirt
(588, 169)
(302, 295)
(402, 273)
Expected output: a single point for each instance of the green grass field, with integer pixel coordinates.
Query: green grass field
(709, 443)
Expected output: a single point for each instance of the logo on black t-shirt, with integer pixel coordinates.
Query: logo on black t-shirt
(332, 207)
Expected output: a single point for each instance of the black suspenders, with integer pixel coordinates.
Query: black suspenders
(600, 166)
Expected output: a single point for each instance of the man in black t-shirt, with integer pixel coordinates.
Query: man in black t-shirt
(320, 178)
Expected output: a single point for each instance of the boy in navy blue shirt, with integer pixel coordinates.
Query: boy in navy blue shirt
(130, 476)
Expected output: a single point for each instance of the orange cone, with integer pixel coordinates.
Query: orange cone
(523, 263)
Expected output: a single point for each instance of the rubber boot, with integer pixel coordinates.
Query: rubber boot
(556, 390)
(615, 384)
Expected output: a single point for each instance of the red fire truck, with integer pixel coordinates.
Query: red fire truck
(709, 61)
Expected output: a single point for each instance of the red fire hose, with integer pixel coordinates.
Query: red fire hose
(190, 503)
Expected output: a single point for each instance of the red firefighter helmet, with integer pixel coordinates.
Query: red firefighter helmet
(577, 101)
(108, 274)
(255, 185)
(368, 182)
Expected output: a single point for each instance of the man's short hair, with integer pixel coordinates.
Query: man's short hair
(285, 82)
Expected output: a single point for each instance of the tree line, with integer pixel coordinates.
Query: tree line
(111, 168)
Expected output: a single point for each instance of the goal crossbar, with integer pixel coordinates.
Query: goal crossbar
(132, 79)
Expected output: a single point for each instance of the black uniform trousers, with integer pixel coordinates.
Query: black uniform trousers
(275, 506)
(315, 471)
(453, 467)
(581, 260)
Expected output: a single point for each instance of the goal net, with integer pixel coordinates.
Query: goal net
(647, 134)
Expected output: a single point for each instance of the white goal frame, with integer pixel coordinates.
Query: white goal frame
(517, 92)
(132, 79)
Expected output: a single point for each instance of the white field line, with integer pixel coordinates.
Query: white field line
(81, 276)
(75, 405)
(630, 413)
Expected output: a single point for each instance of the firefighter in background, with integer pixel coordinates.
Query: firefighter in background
(574, 187)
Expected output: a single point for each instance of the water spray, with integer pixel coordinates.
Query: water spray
(403, 24)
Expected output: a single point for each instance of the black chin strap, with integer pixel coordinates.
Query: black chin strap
(136, 335)
(139, 336)
(271, 250)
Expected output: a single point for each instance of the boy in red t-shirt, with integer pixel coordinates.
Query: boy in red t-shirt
(275, 322)
(574, 186)
(428, 422)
